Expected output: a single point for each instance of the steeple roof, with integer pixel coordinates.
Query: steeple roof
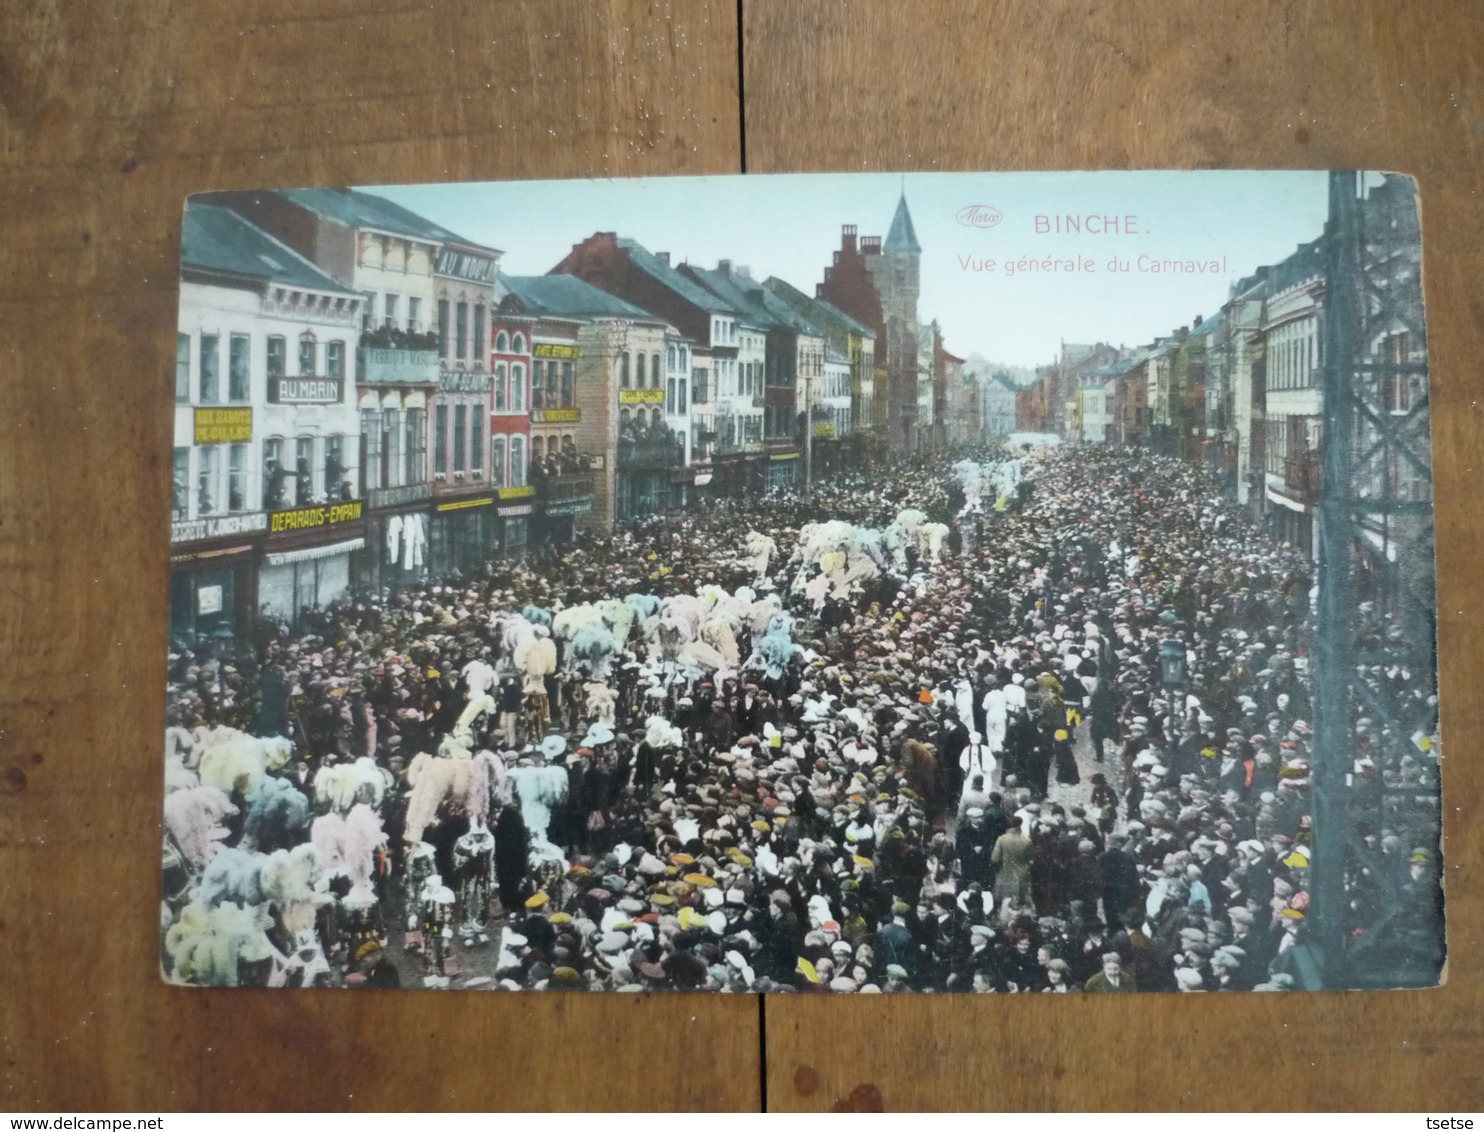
(902, 237)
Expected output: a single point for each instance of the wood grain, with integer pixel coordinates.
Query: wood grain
(109, 115)
(1048, 84)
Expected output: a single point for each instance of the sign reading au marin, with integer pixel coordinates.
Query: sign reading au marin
(306, 390)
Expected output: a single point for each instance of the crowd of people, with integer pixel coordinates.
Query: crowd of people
(1063, 748)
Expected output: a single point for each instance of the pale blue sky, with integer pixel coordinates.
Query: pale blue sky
(790, 225)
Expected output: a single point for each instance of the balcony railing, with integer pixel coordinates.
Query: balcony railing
(651, 452)
(1301, 477)
(398, 366)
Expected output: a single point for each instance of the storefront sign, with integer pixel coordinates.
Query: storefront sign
(824, 430)
(463, 504)
(407, 493)
(703, 478)
(516, 511)
(570, 506)
(218, 526)
(306, 390)
(641, 396)
(209, 599)
(223, 426)
(553, 350)
(467, 265)
(556, 416)
(752, 447)
(784, 456)
(524, 491)
(309, 518)
(456, 381)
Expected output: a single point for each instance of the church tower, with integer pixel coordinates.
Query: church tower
(896, 269)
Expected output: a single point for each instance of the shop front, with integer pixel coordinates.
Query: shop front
(213, 591)
(307, 558)
(464, 534)
(783, 469)
(397, 531)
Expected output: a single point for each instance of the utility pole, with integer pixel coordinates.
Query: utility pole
(808, 438)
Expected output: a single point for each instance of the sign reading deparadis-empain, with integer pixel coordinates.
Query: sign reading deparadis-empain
(308, 518)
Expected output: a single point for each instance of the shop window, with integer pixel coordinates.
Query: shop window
(304, 470)
(183, 367)
(497, 462)
(237, 478)
(440, 440)
(518, 461)
(210, 360)
(180, 484)
(238, 385)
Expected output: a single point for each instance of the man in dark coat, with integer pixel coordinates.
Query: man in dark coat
(1120, 883)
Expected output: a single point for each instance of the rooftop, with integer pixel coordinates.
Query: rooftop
(218, 240)
(566, 296)
(902, 237)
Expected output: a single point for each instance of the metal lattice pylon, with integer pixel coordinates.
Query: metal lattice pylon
(1376, 905)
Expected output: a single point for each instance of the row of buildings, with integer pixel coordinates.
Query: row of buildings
(365, 399)
(1240, 389)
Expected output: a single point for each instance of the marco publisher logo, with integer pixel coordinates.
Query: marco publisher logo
(979, 216)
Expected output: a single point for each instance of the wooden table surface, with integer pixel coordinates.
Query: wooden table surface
(111, 113)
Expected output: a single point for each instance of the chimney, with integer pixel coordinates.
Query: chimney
(663, 257)
(1198, 321)
(870, 245)
(847, 237)
(742, 271)
(724, 267)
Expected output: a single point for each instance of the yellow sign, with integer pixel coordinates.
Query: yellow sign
(556, 416)
(223, 426)
(753, 446)
(307, 518)
(517, 492)
(824, 429)
(641, 396)
(552, 350)
(463, 503)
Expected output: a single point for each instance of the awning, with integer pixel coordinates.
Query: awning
(314, 553)
(1283, 501)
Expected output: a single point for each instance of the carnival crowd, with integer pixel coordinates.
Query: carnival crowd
(1063, 748)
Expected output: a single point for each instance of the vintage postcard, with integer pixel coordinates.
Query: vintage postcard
(983, 583)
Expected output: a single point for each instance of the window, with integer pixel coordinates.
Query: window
(518, 345)
(308, 348)
(335, 359)
(183, 367)
(370, 449)
(538, 449)
(655, 380)
(210, 359)
(414, 313)
(539, 399)
(551, 384)
(567, 385)
(206, 480)
(304, 470)
(497, 461)
(518, 388)
(460, 331)
(391, 448)
(476, 442)
(623, 371)
(237, 478)
(501, 396)
(368, 311)
(417, 446)
(277, 363)
(698, 385)
(443, 327)
(477, 351)
(274, 476)
(440, 440)
(180, 482)
(460, 426)
(639, 371)
(517, 461)
(336, 484)
(502, 343)
(390, 308)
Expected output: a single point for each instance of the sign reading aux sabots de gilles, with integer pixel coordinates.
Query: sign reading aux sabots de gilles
(308, 518)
